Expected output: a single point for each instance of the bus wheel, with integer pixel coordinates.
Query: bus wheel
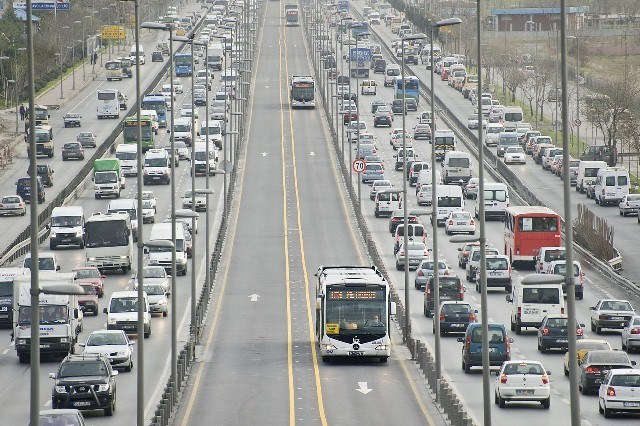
(325, 359)
(383, 359)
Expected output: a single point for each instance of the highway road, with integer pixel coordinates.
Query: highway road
(14, 383)
(260, 356)
(524, 347)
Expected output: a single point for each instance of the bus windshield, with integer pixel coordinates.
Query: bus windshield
(106, 96)
(356, 312)
(157, 105)
(131, 133)
(107, 233)
(182, 60)
(538, 224)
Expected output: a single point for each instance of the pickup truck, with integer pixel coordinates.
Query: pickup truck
(72, 119)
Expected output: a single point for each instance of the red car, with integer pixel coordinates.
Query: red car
(349, 116)
(89, 301)
(91, 275)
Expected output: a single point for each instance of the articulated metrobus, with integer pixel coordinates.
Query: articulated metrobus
(302, 91)
(527, 228)
(130, 132)
(353, 312)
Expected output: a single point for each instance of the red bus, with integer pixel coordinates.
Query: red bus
(527, 228)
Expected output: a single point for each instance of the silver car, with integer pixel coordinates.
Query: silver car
(113, 344)
(631, 335)
(416, 251)
(379, 185)
(373, 172)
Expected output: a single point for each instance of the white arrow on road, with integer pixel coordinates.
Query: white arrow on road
(254, 297)
(363, 388)
(312, 153)
(264, 154)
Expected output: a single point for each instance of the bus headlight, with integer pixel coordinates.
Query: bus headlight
(329, 347)
(382, 348)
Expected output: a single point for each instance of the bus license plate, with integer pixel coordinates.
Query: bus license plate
(356, 353)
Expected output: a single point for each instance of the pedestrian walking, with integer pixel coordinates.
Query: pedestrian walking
(22, 111)
(95, 57)
(26, 127)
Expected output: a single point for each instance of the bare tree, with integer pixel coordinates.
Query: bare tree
(611, 109)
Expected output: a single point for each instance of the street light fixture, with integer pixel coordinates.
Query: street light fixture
(405, 241)
(434, 216)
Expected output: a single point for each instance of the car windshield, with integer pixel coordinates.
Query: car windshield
(86, 134)
(153, 272)
(455, 308)
(429, 265)
(557, 322)
(44, 263)
(59, 419)
(66, 221)
(609, 357)
(84, 368)
(515, 150)
(87, 273)
(10, 200)
(123, 304)
(102, 339)
(496, 335)
(497, 264)
(88, 289)
(153, 290)
(541, 295)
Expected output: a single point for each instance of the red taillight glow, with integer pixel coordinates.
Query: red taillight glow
(611, 391)
(593, 370)
(635, 331)
(519, 313)
(503, 379)
(441, 317)
(545, 331)
(420, 273)
(401, 253)
(579, 331)
(450, 222)
(545, 379)
(472, 223)
(472, 317)
(562, 311)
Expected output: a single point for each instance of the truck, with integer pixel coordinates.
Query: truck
(107, 177)
(359, 61)
(7, 275)
(215, 56)
(60, 316)
(44, 142)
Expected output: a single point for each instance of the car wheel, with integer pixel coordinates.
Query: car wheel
(607, 413)
(129, 367)
(518, 328)
(593, 327)
(111, 408)
(501, 402)
(598, 330)
(566, 372)
(495, 398)
(600, 409)
(546, 403)
(624, 347)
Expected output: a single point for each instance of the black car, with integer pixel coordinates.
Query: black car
(596, 364)
(553, 333)
(157, 57)
(350, 96)
(382, 119)
(376, 104)
(85, 382)
(72, 150)
(455, 317)
(379, 66)
(397, 218)
(412, 104)
(396, 107)
(45, 172)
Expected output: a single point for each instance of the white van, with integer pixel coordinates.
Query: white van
(128, 156)
(214, 131)
(492, 134)
(132, 54)
(390, 74)
(449, 199)
(456, 167)
(546, 255)
(156, 167)
(532, 302)
(424, 178)
(127, 205)
(161, 256)
(122, 313)
(612, 184)
(182, 130)
(387, 201)
(200, 161)
(496, 200)
(511, 117)
(66, 226)
(587, 173)
(445, 140)
(559, 267)
(47, 261)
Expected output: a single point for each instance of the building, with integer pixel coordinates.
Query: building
(537, 19)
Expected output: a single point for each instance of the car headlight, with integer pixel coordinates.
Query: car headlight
(111, 320)
(21, 342)
(382, 347)
(329, 347)
(96, 188)
(64, 340)
(162, 302)
(53, 234)
(103, 387)
(61, 389)
(123, 257)
(182, 261)
(153, 262)
(91, 259)
(78, 233)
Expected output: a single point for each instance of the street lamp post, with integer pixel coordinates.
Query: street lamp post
(405, 241)
(577, 120)
(84, 47)
(73, 55)
(357, 93)
(434, 214)
(61, 70)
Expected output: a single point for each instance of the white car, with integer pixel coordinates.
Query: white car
(188, 110)
(166, 92)
(12, 205)
(619, 392)
(114, 345)
(522, 380)
(177, 86)
(367, 138)
(154, 275)
(183, 150)
(201, 201)
(379, 185)
(150, 196)
(515, 155)
(397, 140)
(460, 221)
(611, 314)
(148, 212)
(157, 297)
(423, 195)
(416, 252)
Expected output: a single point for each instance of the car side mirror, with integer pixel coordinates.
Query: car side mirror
(104, 311)
(57, 267)
(460, 339)
(592, 308)
(582, 325)
(497, 372)
(459, 248)
(103, 276)
(633, 363)
(52, 375)
(509, 298)
(82, 345)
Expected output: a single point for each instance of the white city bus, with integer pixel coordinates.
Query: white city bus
(108, 103)
(108, 243)
(353, 312)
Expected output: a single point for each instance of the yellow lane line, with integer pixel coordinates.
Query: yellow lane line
(314, 358)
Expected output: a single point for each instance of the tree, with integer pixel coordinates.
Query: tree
(611, 109)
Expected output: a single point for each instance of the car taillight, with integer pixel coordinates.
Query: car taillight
(593, 370)
(611, 391)
(446, 272)
(545, 331)
(519, 313)
(465, 253)
(441, 317)
(472, 223)
(472, 317)
(401, 253)
(503, 379)
(545, 379)
(395, 219)
(420, 273)
(635, 331)
(425, 253)
(562, 311)
(579, 331)
(427, 291)
(467, 342)
(450, 222)
(3, 206)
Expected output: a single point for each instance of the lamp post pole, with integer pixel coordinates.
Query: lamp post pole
(577, 89)
(434, 213)
(61, 70)
(568, 235)
(84, 48)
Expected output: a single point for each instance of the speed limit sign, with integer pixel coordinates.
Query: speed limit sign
(358, 166)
